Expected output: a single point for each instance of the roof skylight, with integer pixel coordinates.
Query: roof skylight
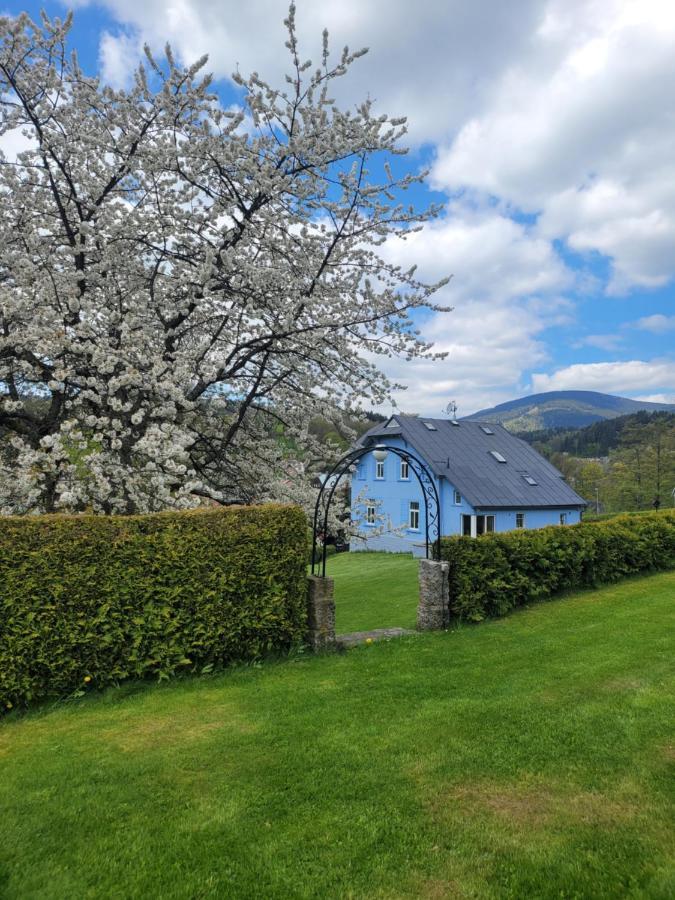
(486, 429)
(497, 456)
(530, 480)
(430, 426)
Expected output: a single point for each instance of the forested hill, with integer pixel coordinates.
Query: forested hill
(626, 463)
(564, 409)
(598, 439)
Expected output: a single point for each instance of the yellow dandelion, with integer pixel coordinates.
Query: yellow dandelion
(369, 640)
(87, 679)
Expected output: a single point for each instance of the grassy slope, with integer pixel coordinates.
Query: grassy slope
(524, 757)
(374, 590)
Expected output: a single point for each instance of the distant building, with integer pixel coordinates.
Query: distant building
(487, 479)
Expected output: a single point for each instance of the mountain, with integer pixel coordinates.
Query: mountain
(564, 409)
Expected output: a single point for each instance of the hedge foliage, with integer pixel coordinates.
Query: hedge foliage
(494, 573)
(94, 599)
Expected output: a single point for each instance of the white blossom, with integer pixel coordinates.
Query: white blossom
(179, 295)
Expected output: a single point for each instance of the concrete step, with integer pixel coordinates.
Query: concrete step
(378, 634)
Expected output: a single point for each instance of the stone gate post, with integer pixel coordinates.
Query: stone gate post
(320, 613)
(433, 610)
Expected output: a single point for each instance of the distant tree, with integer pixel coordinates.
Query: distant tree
(176, 279)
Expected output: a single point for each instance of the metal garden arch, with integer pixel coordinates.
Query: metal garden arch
(432, 518)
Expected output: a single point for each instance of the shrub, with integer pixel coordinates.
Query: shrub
(108, 598)
(494, 573)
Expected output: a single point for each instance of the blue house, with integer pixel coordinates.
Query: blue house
(487, 480)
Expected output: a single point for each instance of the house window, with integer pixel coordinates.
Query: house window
(430, 426)
(563, 518)
(379, 469)
(414, 515)
(458, 498)
(404, 470)
(520, 520)
(370, 514)
(497, 455)
(489, 524)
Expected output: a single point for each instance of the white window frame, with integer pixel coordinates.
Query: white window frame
(414, 515)
(458, 498)
(490, 520)
(379, 470)
(405, 470)
(370, 513)
(521, 516)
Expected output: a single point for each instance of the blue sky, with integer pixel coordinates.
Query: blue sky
(549, 129)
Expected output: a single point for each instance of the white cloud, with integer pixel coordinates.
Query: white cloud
(610, 377)
(657, 398)
(435, 61)
(14, 142)
(119, 55)
(488, 345)
(658, 323)
(582, 132)
(560, 107)
(601, 341)
(506, 290)
(488, 255)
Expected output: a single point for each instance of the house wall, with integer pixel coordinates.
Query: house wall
(505, 519)
(393, 495)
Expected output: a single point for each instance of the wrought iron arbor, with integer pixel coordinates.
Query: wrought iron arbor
(432, 503)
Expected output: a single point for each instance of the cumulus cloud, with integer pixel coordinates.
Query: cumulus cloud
(610, 377)
(435, 61)
(488, 254)
(508, 288)
(582, 134)
(119, 55)
(488, 347)
(559, 107)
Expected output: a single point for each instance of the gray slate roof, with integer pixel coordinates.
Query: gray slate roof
(461, 454)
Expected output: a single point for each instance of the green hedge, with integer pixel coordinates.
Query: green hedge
(92, 600)
(494, 573)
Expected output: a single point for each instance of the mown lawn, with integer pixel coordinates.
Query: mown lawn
(374, 590)
(526, 757)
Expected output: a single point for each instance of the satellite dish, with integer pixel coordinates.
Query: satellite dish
(451, 410)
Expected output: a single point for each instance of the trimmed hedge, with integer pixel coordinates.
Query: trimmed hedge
(494, 573)
(96, 599)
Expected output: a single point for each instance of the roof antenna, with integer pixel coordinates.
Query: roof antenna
(451, 410)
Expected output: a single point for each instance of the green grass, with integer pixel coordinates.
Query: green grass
(374, 590)
(529, 756)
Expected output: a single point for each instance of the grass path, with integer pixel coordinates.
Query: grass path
(374, 590)
(526, 757)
